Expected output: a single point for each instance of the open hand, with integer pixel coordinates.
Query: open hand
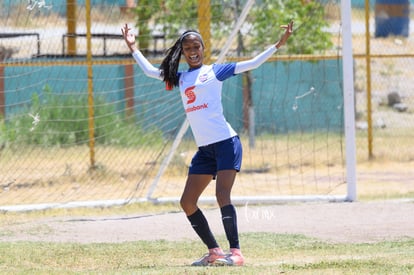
(288, 31)
(129, 38)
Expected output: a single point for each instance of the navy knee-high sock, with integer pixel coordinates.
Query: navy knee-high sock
(200, 225)
(229, 217)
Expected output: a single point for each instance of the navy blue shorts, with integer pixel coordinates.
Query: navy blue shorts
(222, 155)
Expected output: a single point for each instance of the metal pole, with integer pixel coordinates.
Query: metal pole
(91, 115)
(368, 64)
(204, 20)
(349, 100)
(71, 26)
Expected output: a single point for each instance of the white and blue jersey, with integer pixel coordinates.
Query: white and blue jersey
(200, 91)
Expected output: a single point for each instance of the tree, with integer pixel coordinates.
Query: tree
(308, 37)
(174, 16)
(145, 11)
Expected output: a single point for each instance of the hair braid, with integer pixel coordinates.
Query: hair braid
(169, 66)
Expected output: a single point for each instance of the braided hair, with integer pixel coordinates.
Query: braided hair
(169, 65)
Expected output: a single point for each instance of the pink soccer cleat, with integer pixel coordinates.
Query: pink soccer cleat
(211, 258)
(235, 258)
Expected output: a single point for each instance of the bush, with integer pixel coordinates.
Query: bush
(64, 121)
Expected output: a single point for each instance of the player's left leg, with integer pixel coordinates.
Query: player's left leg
(224, 185)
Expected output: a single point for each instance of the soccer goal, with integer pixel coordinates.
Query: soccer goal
(80, 125)
(298, 128)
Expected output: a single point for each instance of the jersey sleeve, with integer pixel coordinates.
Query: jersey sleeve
(224, 71)
(251, 64)
(146, 66)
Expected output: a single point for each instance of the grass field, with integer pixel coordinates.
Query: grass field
(266, 254)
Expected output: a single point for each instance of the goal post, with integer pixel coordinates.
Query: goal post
(348, 109)
(349, 101)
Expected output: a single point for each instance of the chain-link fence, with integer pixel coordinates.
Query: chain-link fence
(48, 152)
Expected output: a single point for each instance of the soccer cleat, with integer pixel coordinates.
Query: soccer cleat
(235, 258)
(211, 258)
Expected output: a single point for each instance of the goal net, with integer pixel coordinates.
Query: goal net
(81, 125)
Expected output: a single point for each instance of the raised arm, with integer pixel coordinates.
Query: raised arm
(255, 62)
(143, 63)
(288, 31)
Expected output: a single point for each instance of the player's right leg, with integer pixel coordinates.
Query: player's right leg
(195, 185)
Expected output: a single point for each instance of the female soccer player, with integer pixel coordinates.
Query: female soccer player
(219, 154)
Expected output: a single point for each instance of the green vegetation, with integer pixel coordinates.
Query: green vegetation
(64, 121)
(265, 19)
(309, 21)
(265, 253)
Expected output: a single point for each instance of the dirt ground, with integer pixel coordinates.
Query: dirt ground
(356, 222)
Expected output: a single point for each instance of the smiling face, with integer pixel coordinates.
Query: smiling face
(193, 51)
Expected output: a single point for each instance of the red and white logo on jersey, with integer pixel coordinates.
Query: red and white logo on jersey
(189, 92)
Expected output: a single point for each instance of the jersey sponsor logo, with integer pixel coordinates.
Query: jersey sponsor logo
(191, 96)
(189, 92)
(196, 108)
